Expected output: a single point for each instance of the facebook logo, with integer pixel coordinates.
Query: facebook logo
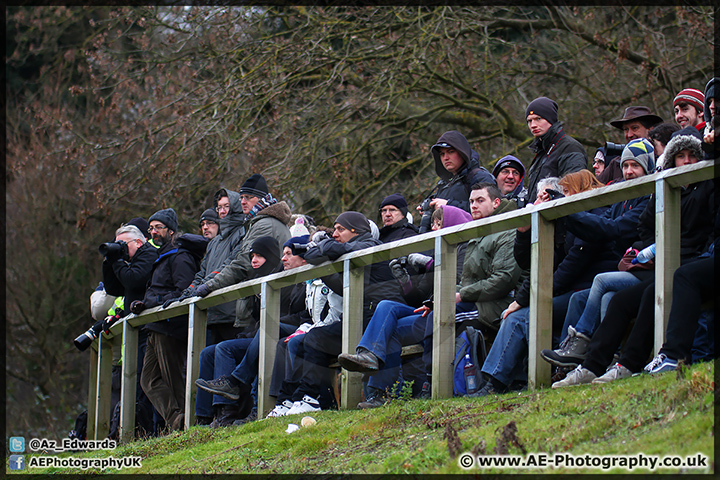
(17, 444)
(17, 462)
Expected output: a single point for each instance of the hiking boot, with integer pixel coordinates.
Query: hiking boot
(220, 386)
(373, 402)
(571, 352)
(202, 421)
(280, 409)
(307, 404)
(252, 416)
(227, 415)
(363, 361)
(486, 390)
(615, 372)
(578, 376)
(661, 364)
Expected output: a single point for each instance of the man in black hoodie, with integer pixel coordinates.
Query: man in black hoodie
(556, 153)
(458, 167)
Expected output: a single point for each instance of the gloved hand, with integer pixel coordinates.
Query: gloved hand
(302, 329)
(420, 261)
(109, 321)
(319, 236)
(187, 293)
(399, 271)
(202, 290)
(137, 306)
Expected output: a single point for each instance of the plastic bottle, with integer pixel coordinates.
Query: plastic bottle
(645, 255)
(470, 379)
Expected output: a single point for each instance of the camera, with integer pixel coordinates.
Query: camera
(613, 149)
(83, 341)
(426, 220)
(113, 248)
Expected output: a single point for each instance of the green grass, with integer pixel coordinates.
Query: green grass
(669, 414)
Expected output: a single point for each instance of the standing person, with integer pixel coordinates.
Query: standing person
(711, 119)
(394, 211)
(659, 136)
(268, 217)
(510, 173)
(209, 227)
(636, 122)
(556, 152)
(220, 251)
(458, 167)
(178, 261)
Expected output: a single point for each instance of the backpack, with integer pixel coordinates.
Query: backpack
(471, 340)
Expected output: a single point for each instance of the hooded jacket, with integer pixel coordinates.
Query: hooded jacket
(456, 188)
(220, 251)
(271, 221)
(490, 272)
(172, 272)
(556, 154)
(707, 116)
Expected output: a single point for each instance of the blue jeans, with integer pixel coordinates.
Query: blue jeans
(210, 367)
(506, 359)
(603, 284)
(392, 326)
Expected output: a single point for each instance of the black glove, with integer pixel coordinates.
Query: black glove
(397, 267)
(187, 293)
(109, 321)
(202, 290)
(137, 306)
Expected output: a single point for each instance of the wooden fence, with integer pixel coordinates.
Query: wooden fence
(664, 184)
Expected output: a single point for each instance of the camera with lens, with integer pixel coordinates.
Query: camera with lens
(114, 249)
(614, 149)
(84, 340)
(426, 219)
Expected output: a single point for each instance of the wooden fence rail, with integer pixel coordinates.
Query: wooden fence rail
(664, 184)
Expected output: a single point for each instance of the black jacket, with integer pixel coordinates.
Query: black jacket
(172, 272)
(556, 154)
(129, 278)
(397, 231)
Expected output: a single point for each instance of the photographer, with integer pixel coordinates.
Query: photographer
(458, 167)
(127, 264)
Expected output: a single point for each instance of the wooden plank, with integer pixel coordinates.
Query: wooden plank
(128, 387)
(667, 254)
(541, 274)
(352, 323)
(445, 271)
(92, 391)
(197, 331)
(269, 336)
(104, 389)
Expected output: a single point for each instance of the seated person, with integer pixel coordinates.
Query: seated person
(510, 173)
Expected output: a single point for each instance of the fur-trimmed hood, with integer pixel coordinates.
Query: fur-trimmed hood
(686, 140)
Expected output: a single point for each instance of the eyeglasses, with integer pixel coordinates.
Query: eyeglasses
(389, 210)
(206, 223)
(247, 198)
(157, 228)
(222, 207)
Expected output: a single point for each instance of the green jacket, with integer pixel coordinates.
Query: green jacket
(490, 272)
(270, 221)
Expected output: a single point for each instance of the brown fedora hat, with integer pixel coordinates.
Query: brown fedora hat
(635, 113)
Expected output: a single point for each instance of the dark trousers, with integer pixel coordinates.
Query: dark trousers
(321, 346)
(635, 301)
(163, 379)
(693, 284)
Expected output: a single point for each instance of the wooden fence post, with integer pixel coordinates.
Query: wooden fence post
(104, 389)
(667, 253)
(541, 294)
(128, 388)
(92, 392)
(269, 336)
(352, 324)
(445, 271)
(197, 331)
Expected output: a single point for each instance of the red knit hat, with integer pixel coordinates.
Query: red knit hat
(694, 97)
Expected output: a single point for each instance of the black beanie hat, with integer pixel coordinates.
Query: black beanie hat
(267, 247)
(396, 200)
(255, 186)
(544, 107)
(210, 215)
(300, 239)
(142, 224)
(354, 221)
(167, 217)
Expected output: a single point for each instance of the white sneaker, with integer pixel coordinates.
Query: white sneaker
(280, 409)
(615, 372)
(307, 404)
(579, 376)
(661, 364)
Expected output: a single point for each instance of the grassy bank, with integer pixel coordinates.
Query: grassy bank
(669, 414)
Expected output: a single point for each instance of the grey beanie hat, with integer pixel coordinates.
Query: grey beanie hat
(210, 215)
(686, 139)
(167, 217)
(642, 152)
(356, 222)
